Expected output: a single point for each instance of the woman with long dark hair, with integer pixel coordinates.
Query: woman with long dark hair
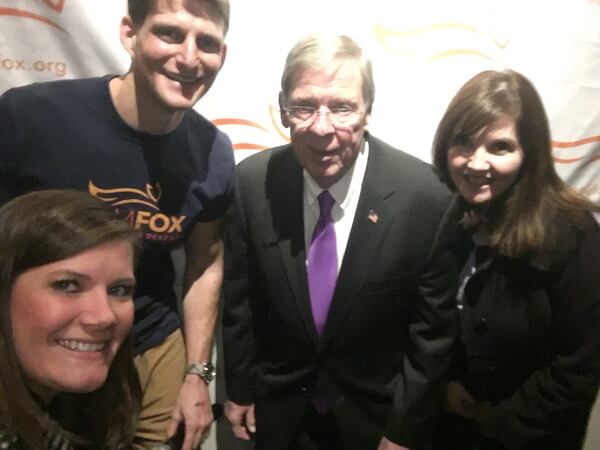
(528, 360)
(67, 379)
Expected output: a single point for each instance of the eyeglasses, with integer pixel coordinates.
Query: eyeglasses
(342, 116)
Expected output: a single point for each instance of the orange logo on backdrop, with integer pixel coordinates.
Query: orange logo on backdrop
(413, 41)
(245, 123)
(56, 5)
(556, 145)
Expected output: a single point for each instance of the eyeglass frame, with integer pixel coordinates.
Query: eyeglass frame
(332, 113)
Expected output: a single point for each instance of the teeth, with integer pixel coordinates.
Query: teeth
(183, 79)
(474, 179)
(80, 346)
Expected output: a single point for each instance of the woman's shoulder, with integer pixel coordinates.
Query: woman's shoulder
(574, 236)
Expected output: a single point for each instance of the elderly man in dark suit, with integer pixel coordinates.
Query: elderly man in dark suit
(339, 289)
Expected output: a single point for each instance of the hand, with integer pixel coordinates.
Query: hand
(480, 413)
(193, 407)
(458, 399)
(386, 444)
(241, 418)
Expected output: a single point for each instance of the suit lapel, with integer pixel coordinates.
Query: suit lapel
(284, 189)
(371, 225)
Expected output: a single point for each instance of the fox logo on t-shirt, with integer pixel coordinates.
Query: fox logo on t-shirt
(140, 209)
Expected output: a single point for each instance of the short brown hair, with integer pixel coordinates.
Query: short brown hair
(138, 10)
(521, 221)
(39, 228)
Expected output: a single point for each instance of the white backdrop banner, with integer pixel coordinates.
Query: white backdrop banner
(422, 52)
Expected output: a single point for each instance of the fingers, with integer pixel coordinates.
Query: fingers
(251, 420)
(238, 426)
(173, 424)
(456, 399)
(241, 419)
(193, 408)
(197, 425)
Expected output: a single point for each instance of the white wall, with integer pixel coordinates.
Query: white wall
(422, 52)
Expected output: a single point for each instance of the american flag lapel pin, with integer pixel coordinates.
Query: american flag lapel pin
(373, 217)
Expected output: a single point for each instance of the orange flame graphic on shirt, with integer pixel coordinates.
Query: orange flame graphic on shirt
(125, 196)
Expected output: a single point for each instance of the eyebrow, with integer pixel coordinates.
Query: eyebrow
(74, 274)
(69, 273)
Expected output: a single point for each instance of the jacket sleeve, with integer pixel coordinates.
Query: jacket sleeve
(431, 334)
(237, 326)
(569, 383)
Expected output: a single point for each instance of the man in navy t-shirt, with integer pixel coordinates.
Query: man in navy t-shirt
(134, 142)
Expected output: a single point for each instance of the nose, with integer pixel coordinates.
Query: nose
(188, 53)
(479, 159)
(98, 310)
(322, 123)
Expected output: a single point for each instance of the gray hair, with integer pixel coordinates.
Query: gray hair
(318, 50)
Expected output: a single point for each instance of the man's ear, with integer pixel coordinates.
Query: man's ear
(367, 119)
(223, 54)
(128, 35)
(285, 121)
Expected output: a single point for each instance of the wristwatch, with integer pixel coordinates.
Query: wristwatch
(205, 370)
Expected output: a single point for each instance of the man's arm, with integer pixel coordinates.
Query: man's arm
(431, 335)
(238, 336)
(202, 283)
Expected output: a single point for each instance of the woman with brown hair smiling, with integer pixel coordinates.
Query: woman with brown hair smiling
(67, 379)
(528, 360)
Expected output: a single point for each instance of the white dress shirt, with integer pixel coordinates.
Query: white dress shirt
(346, 193)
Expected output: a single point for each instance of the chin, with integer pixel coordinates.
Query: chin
(178, 101)
(82, 385)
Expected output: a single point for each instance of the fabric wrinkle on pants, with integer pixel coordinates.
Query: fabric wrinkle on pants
(161, 371)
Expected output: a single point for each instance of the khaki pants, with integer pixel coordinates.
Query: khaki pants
(161, 370)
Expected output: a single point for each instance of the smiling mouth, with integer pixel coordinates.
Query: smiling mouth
(478, 180)
(182, 78)
(82, 346)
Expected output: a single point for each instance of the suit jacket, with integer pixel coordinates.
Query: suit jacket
(392, 320)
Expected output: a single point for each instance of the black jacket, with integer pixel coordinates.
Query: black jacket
(530, 345)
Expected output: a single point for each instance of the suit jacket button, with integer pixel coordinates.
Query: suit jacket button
(481, 326)
(304, 389)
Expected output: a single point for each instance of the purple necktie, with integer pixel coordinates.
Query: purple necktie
(322, 262)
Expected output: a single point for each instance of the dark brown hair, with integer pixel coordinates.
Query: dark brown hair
(520, 221)
(138, 10)
(37, 229)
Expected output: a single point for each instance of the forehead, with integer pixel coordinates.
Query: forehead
(340, 78)
(504, 127)
(92, 261)
(182, 10)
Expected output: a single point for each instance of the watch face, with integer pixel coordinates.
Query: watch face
(212, 372)
(209, 371)
(206, 370)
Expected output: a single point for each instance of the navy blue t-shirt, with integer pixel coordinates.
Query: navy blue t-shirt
(68, 134)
